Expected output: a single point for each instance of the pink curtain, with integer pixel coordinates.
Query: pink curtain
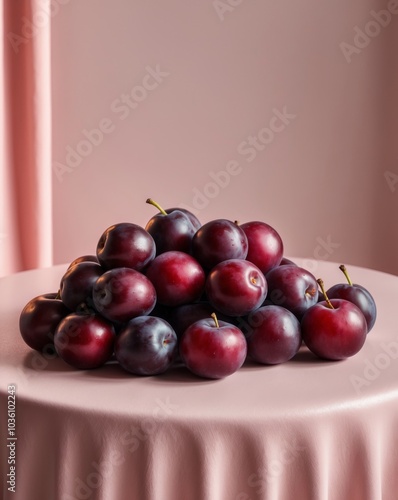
(25, 136)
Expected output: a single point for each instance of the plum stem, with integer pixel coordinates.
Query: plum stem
(320, 283)
(236, 222)
(214, 316)
(343, 268)
(152, 202)
(58, 296)
(83, 308)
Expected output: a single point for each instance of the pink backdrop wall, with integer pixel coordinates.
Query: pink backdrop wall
(204, 79)
(26, 238)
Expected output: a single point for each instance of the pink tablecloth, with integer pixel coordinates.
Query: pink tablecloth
(307, 429)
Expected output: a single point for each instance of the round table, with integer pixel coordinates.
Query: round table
(306, 429)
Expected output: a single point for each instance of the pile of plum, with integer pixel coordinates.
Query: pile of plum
(207, 296)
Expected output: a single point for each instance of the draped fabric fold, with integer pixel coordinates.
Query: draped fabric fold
(25, 136)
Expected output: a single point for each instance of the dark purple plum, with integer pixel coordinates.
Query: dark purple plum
(358, 295)
(146, 346)
(182, 317)
(287, 262)
(334, 329)
(219, 240)
(83, 258)
(213, 349)
(265, 245)
(236, 287)
(194, 220)
(292, 287)
(274, 336)
(122, 293)
(39, 319)
(177, 277)
(84, 341)
(77, 283)
(170, 231)
(125, 245)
